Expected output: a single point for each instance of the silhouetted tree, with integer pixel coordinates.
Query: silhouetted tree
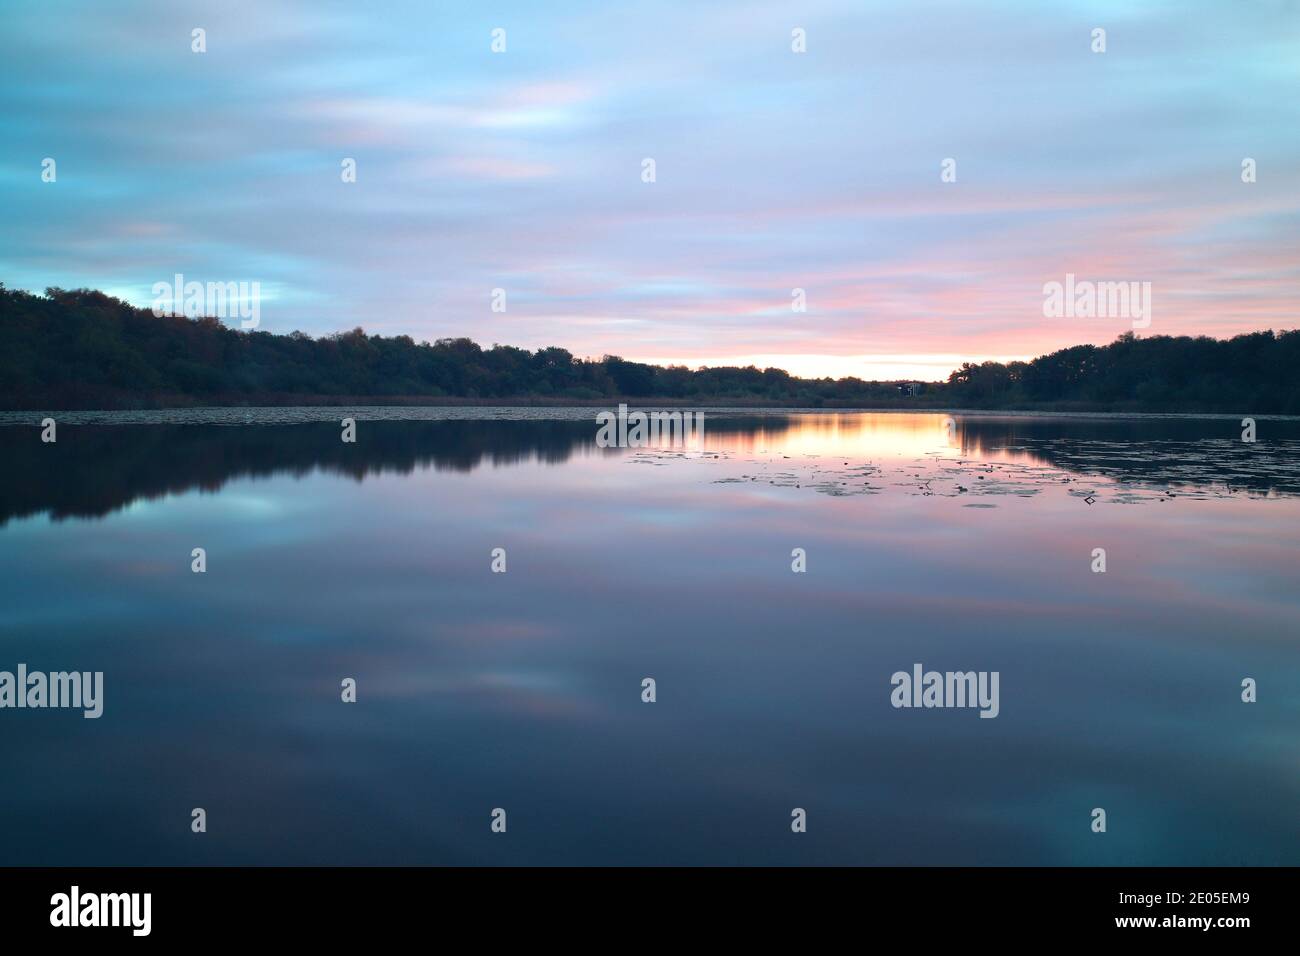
(82, 348)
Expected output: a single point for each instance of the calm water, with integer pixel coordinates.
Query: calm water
(961, 549)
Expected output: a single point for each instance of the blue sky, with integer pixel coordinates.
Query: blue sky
(774, 170)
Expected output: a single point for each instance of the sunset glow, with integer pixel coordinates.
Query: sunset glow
(775, 172)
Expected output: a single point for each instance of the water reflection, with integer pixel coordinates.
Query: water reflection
(95, 469)
(522, 690)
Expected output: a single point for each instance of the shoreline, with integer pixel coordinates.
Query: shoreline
(284, 414)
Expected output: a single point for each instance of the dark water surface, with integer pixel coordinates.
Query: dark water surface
(967, 548)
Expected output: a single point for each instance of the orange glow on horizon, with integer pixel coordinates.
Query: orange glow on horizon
(933, 367)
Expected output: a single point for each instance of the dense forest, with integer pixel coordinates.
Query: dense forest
(83, 349)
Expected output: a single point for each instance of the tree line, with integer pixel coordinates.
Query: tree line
(81, 348)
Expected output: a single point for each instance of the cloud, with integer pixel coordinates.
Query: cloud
(775, 170)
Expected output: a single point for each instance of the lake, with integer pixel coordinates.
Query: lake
(962, 543)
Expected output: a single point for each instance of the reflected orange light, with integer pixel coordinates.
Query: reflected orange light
(902, 435)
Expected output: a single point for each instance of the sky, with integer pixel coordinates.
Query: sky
(775, 170)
